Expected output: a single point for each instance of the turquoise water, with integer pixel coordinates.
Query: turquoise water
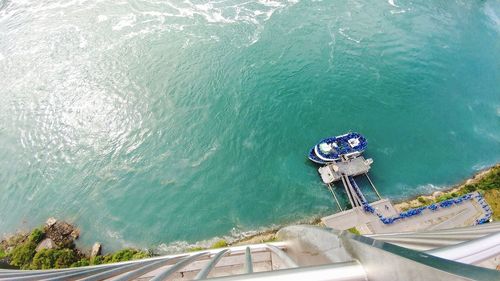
(148, 122)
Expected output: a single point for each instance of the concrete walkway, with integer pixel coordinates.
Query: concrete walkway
(464, 214)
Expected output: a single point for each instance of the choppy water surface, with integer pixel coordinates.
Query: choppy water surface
(158, 121)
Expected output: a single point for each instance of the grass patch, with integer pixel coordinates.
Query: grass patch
(81, 262)
(37, 235)
(119, 256)
(23, 253)
(489, 187)
(489, 181)
(51, 258)
(272, 239)
(195, 249)
(443, 197)
(354, 230)
(219, 244)
(493, 198)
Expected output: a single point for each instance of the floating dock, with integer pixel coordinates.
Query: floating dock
(352, 167)
(345, 171)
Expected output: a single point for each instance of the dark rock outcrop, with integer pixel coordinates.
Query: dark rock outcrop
(61, 233)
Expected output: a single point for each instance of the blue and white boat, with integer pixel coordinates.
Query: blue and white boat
(333, 148)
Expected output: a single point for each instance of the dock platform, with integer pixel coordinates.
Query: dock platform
(381, 216)
(352, 167)
(464, 214)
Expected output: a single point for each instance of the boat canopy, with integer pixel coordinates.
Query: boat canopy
(332, 148)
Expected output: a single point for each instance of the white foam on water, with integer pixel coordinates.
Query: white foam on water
(166, 17)
(492, 15)
(118, 238)
(486, 133)
(83, 42)
(101, 18)
(394, 12)
(391, 2)
(204, 157)
(341, 32)
(428, 188)
(480, 166)
(331, 44)
(113, 234)
(235, 235)
(424, 189)
(125, 21)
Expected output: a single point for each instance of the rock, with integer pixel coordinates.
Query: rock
(437, 194)
(46, 243)
(96, 250)
(75, 234)
(62, 233)
(50, 222)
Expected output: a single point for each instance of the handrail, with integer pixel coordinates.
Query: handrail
(204, 272)
(283, 256)
(383, 259)
(343, 271)
(143, 270)
(471, 251)
(171, 270)
(248, 261)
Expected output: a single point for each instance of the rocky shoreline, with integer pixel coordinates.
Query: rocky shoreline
(53, 245)
(453, 191)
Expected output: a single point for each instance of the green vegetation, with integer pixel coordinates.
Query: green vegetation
(443, 197)
(51, 258)
(354, 230)
(405, 208)
(493, 199)
(195, 249)
(424, 201)
(272, 239)
(37, 235)
(488, 184)
(125, 255)
(219, 244)
(24, 255)
(119, 256)
(82, 262)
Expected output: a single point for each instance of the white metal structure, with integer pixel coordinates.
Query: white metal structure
(312, 253)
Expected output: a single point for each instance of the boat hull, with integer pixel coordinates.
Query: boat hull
(333, 148)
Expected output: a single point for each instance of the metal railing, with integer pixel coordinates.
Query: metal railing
(307, 253)
(165, 266)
